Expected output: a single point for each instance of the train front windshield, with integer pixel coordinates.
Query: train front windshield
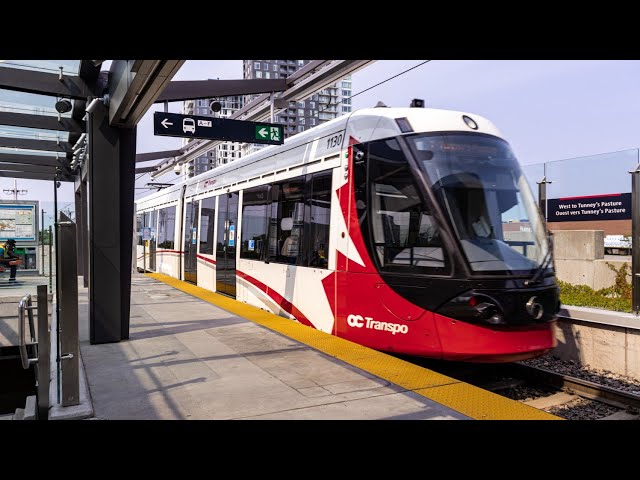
(478, 182)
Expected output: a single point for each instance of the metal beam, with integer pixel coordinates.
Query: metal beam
(135, 85)
(41, 121)
(307, 70)
(32, 144)
(194, 89)
(22, 167)
(303, 83)
(145, 157)
(34, 160)
(89, 70)
(146, 169)
(35, 176)
(42, 83)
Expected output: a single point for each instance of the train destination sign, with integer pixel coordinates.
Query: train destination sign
(212, 128)
(613, 206)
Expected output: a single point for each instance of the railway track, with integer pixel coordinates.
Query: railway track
(577, 386)
(563, 395)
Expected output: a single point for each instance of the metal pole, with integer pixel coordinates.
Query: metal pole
(44, 345)
(50, 260)
(635, 239)
(144, 256)
(68, 309)
(542, 196)
(42, 239)
(57, 295)
(271, 100)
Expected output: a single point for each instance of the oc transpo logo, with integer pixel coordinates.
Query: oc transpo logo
(358, 321)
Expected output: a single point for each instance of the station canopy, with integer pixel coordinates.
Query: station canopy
(42, 116)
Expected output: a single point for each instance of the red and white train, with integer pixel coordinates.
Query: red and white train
(408, 230)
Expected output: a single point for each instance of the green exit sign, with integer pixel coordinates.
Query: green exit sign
(269, 132)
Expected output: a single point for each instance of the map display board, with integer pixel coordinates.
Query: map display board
(18, 221)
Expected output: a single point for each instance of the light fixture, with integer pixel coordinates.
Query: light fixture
(417, 103)
(63, 106)
(215, 106)
(470, 122)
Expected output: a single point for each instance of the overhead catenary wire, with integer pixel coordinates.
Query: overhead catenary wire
(377, 84)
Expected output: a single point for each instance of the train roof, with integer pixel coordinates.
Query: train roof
(363, 125)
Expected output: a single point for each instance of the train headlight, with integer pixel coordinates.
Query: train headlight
(475, 308)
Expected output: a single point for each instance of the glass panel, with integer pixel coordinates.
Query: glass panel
(316, 219)
(207, 216)
(30, 103)
(404, 231)
(39, 153)
(479, 183)
(287, 215)
(166, 228)
(153, 223)
(534, 173)
(598, 174)
(69, 67)
(254, 222)
(35, 133)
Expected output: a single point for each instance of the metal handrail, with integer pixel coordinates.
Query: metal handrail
(25, 304)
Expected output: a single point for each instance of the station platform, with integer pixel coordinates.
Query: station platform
(197, 355)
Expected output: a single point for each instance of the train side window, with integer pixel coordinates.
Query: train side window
(406, 236)
(286, 221)
(166, 227)
(317, 216)
(254, 222)
(207, 217)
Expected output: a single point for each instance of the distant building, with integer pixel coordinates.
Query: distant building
(224, 153)
(325, 105)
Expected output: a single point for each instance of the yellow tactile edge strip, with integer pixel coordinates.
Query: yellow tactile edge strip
(462, 397)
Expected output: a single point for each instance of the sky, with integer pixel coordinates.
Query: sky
(547, 110)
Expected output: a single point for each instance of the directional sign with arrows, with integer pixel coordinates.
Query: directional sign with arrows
(212, 128)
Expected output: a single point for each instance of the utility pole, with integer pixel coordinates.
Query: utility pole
(42, 240)
(14, 191)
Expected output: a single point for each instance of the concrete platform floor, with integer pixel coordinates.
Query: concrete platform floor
(188, 359)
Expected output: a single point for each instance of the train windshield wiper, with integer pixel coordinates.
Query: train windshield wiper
(543, 266)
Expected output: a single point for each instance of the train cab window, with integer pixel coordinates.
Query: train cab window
(207, 218)
(406, 236)
(254, 222)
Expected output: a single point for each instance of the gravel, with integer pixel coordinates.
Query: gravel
(583, 409)
(574, 369)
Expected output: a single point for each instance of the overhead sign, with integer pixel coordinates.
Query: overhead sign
(211, 128)
(613, 206)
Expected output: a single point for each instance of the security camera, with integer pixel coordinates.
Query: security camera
(177, 169)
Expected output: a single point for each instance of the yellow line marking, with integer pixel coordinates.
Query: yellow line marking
(461, 397)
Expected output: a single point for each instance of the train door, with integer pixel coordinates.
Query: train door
(190, 239)
(226, 244)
